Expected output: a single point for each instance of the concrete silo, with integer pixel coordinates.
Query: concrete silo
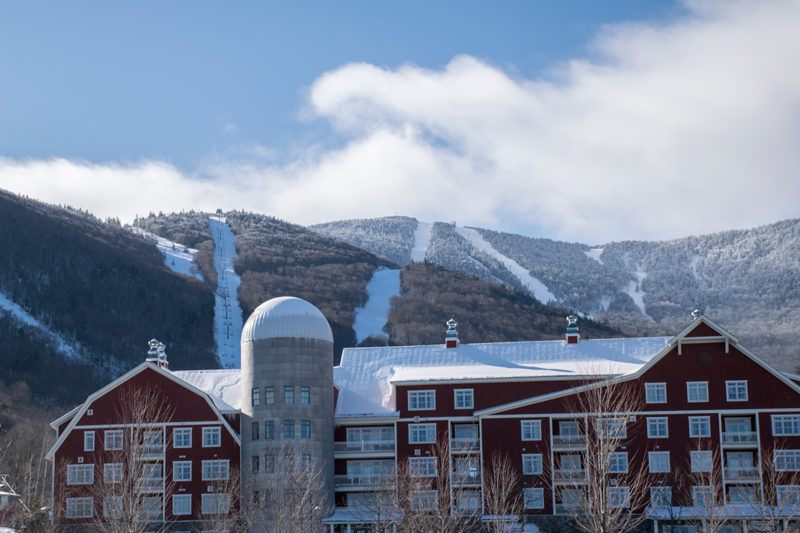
(287, 386)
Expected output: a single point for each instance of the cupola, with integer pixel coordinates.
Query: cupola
(451, 338)
(572, 330)
(156, 354)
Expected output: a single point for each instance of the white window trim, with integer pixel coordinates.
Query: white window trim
(426, 434)
(88, 441)
(226, 462)
(83, 501)
(187, 497)
(667, 489)
(613, 461)
(650, 462)
(215, 496)
(420, 392)
(88, 472)
(706, 491)
(626, 500)
(420, 466)
(648, 385)
(781, 417)
(540, 497)
(533, 423)
(698, 463)
(787, 453)
(183, 431)
(689, 397)
(734, 383)
(471, 396)
(655, 418)
(110, 471)
(534, 463)
(113, 433)
(217, 430)
(708, 424)
(175, 470)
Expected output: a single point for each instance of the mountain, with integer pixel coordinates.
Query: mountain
(748, 280)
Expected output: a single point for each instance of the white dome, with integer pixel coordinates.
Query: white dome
(286, 316)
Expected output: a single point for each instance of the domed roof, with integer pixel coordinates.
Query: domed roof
(286, 316)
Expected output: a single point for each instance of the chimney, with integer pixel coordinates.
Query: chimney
(572, 330)
(451, 338)
(156, 354)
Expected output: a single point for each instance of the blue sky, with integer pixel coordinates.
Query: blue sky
(201, 103)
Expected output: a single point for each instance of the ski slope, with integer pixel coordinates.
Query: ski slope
(536, 287)
(23, 316)
(227, 313)
(177, 257)
(636, 293)
(422, 238)
(370, 319)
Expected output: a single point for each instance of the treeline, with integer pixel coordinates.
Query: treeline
(103, 289)
(485, 312)
(390, 237)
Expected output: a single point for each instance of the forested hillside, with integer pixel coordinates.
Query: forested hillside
(390, 237)
(103, 290)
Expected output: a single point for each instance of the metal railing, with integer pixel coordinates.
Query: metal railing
(467, 477)
(739, 437)
(150, 483)
(149, 449)
(569, 441)
(360, 481)
(569, 475)
(741, 473)
(465, 444)
(364, 446)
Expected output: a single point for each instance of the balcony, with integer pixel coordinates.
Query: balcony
(465, 444)
(150, 484)
(742, 473)
(149, 450)
(743, 438)
(342, 482)
(361, 446)
(569, 442)
(569, 475)
(467, 477)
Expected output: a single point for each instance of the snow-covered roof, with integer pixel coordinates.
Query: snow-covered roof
(366, 375)
(286, 317)
(223, 386)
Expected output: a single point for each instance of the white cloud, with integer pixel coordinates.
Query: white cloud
(680, 128)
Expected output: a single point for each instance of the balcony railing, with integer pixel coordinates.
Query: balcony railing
(562, 508)
(149, 449)
(364, 446)
(469, 477)
(741, 473)
(465, 444)
(569, 475)
(360, 481)
(739, 437)
(569, 441)
(150, 484)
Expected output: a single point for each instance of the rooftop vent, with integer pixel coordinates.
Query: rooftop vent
(697, 313)
(451, 339)
(156, 354)
(572, 330)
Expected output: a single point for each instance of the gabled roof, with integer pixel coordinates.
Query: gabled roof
(224, 386)
(682, 337)
(81, 410)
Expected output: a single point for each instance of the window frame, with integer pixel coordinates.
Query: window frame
(288, 395)
(430, 429)
(88, 441)
(656, 387)
(781, 419)
(183, 432)
(785, 454)
(269, 395)
(113, 435)
(415, 395)
(531, 424)
(465, 394)
(305, 395)
(700, 458)
(255, 430)
(615, 461)
(528, 497)
(736, 390)
(269, 429)
(211, 431)
(657, 489)
(651, 462)
(422, 466)
(534, 461)
(216, 497)
(707, 493)
(84, 502)
(692, 420)
(288, 429)
(187, 505)
(255, 396)
(112, 473)
(690, 384)
(181, 466)
(603, 425)
(80, 474)
(626, 503)
(305, 429)
(656, 420)
(209, 467)
(794, 491)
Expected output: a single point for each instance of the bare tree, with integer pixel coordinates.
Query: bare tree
(379, 508)
(780, 504)
(707, 497)
(224, 516)
(502, 500)
(609, 491)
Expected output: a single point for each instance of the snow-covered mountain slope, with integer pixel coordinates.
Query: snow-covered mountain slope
(227, 312)
(177, 257)
(370, 319)
(23, 316)
(422, 239)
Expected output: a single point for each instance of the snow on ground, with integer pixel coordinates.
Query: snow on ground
(693, 264)
(422, 238)
(635, 291)
(595, 254)
(227, 313)
(539, 290)
(177, 257)
(23, 316)
(371, 318)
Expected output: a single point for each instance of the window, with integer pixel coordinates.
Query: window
(661, 496)
(80, 507)
(113, 439)
(534, 498)
(464, 399)
(787, 460)
(151, 508)
(372, 469)
(737, 391)
(786, 425)
(305, 429)
(211, 437)
(255, 397)
(288, 429)
(531, 463)
(788, 495)
(618, 462)
(215, 470)
(699, 426)
(657, 428)
(182, 437)
(655, 392)
(182, 471)
(305, 395)
(181, 504)
(254, 462)
(469, 500)
(269, 429)
(254, 431)
(421, 400)
(269, 464)
(617, 497)
(659, 461)
(611, 428)
(372, 439)
(531, 430)
(423, 500)
(288, 395)
(422, 466)
(112, 506)
(88, 441)
(702, 496)
(697, 391)
(421, 433)
(269, 395)
(701, 461)
(112, 473)
(305, 462)
(216, 504)
(80, 474)
(742, 495)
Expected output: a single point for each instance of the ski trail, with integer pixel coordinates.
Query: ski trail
(227, 313)
(371, 318)
(536, 287)
(23, 316)
(177, 257)
(636, 293)
(422, 238)
(595, 254)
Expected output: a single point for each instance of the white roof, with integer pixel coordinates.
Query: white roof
(223, 386)
(366, 375)
(286, 317)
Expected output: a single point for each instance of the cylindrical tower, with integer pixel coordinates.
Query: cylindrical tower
(287, 389)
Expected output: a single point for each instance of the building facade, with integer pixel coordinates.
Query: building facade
(707, 429)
